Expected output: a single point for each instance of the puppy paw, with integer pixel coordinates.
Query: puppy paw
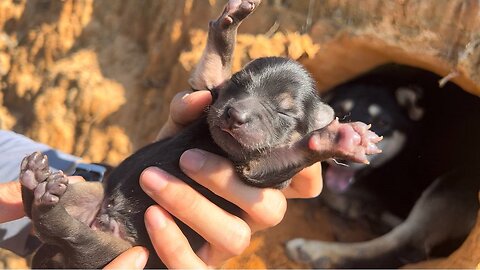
(34, 170)
(48, 193)
(47, 186)
(235, 11)
(309, 252)
(351, 141)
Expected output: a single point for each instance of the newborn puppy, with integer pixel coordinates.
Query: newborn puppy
(267, 119)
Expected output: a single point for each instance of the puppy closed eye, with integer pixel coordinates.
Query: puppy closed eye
(284, 114)
(285, 101)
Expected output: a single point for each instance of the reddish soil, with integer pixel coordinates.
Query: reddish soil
(307, 219)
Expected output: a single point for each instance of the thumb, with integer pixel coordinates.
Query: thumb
(184, 109)
(132, 258)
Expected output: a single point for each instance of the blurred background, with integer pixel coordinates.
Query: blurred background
(95, 78)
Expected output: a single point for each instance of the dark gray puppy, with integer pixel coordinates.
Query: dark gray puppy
(426, 177)
(267, 119)
(445, 211)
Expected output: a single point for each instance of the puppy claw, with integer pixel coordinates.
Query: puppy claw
(378, 139)
(372, 149)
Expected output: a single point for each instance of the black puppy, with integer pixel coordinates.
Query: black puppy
(423, 165)
(396, 122)
(267, 118)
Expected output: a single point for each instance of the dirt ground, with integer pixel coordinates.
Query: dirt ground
(306, 219)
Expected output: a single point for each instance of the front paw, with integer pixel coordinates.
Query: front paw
(351, 141)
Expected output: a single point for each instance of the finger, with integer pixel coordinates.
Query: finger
(184, 109)
(192, 209)
(169, 242)
(307, 183)
(133, 258)
(212, 256)
(265, 206)
(75, 179)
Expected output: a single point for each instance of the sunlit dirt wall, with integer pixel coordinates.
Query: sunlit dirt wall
(94, 78)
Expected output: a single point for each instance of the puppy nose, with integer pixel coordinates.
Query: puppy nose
(236, 118)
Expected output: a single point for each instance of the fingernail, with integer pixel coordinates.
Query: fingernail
(155, 219)
(142, 258)
(153, 179)
(192, 160)
(185, 96)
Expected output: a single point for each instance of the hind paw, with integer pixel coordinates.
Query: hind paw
(235, 11)
(34, 170)
(50, 191)
(310, 252)
(47, 186)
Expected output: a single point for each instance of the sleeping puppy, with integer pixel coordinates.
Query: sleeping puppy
(267, 119)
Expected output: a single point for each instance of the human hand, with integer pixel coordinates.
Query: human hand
(133, 258)
(11, 201)
(263, 207)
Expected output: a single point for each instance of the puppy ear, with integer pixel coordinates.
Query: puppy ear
(322, 116)
(409, 97)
